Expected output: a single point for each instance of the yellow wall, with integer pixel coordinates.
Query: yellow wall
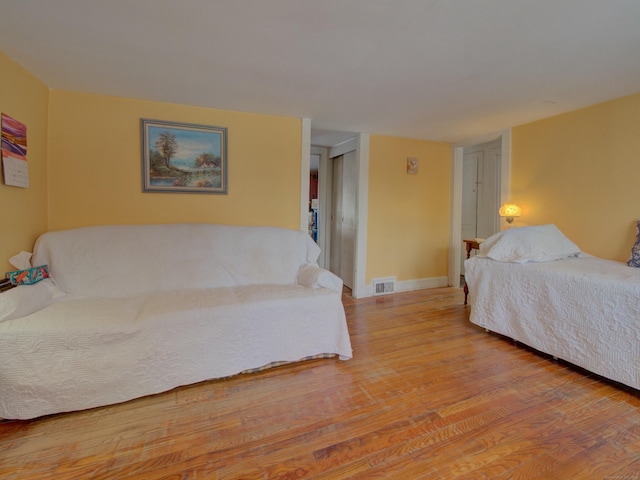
(408, 225)
(95, 165)
(580, 171)
(24, 210)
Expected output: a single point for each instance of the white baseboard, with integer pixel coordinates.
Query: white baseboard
(410, 285)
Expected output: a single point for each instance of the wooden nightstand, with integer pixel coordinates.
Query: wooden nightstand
(471, 245)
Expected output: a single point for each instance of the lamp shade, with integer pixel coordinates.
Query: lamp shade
(510, 210)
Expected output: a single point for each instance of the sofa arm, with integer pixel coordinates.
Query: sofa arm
(312, 276)
(24, 300)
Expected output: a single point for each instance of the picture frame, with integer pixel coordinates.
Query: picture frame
(412, 165)
(183, 157)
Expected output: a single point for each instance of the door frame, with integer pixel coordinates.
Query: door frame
(361, 142)
(455, 223)
(324, 205)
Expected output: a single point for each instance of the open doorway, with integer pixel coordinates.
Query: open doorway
(358, 144)
(480, 191)
(456, 250)
(336, 207)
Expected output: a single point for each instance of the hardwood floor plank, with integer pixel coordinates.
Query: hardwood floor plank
(426, 395)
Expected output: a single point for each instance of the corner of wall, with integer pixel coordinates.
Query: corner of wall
(25, 98)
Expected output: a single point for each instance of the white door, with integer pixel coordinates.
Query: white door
(481, 166)
(470, 162)
(336, 215)
(343, 217)
(489, 191)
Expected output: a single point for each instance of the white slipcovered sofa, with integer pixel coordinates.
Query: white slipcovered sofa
(140, 309)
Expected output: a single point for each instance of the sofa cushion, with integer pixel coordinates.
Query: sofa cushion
(86, 352)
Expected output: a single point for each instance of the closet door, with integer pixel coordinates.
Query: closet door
(343, 217)
(336, 215)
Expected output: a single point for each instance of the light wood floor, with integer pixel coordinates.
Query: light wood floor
(427, 395)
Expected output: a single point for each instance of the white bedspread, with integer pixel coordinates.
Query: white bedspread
(152, 343)
(133, 310)
(585, 310)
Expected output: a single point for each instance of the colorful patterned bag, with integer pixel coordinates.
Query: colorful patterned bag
(29, 276)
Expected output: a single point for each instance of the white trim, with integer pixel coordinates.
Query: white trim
(325, 169)
(455, 226)
(411, 285)
(344, 147)
(362, 204)
(305, 166)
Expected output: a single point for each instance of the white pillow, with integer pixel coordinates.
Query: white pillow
(26, 299)
(541, 243)
(312, 276)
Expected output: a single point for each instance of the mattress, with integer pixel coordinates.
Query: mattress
(585, 310)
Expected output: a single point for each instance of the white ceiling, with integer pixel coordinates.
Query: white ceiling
(431, 69)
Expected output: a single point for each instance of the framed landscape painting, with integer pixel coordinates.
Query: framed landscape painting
(183, 157)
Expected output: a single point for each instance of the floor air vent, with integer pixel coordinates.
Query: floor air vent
(384, 286)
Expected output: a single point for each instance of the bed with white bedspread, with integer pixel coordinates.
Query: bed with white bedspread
(542, 291)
